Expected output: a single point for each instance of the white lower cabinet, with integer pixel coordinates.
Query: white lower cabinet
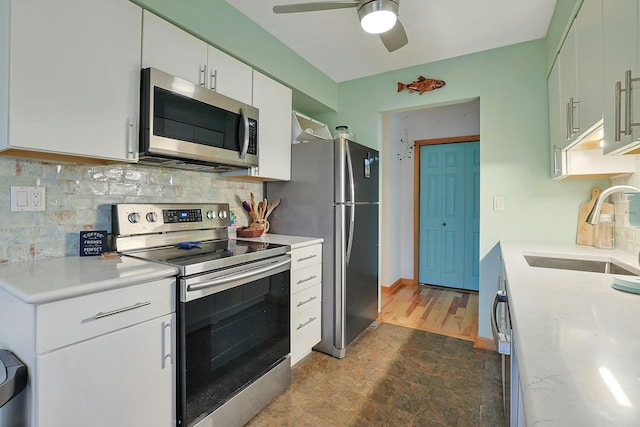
(102, 360)
(124, 378)
(306, 300)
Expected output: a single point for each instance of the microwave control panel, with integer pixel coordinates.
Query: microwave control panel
(253, 137)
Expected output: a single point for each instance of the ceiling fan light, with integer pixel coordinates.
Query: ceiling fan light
(379, 21)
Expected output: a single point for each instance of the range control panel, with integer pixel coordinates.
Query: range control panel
(142, 218)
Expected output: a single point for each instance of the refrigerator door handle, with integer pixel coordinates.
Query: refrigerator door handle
(352, 205)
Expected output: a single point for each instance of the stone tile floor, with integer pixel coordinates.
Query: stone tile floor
(393, 376)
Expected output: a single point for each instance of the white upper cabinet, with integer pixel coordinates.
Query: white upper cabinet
(576, 103)
(621, 68)
(556, 140)
(174, 51)
(229, 76)
(274, 128)
(581, 74)
(70, 72)
(589, 67)
(568, 87)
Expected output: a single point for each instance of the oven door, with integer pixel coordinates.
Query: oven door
(233, 328)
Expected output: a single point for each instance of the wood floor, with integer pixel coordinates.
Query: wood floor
(445, 311)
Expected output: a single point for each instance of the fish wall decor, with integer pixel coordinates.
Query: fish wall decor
(421, 85)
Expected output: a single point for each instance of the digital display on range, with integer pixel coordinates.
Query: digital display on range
(171, 216)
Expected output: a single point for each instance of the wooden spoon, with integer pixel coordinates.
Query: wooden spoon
(272, 206)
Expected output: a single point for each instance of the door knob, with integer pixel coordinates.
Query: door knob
(444, 224)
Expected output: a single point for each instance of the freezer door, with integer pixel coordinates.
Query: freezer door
(357, 169)
(357, 277)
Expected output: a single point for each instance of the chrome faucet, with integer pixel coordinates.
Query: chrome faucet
(594, 215)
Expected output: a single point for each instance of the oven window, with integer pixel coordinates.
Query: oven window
(230, 339)
(179, 117)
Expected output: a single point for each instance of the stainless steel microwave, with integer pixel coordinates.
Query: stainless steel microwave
(187, 126)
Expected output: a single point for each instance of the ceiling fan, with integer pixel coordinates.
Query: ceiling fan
(376, 17)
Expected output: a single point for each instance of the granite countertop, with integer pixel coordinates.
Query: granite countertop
(577, 339)
(46, 280)
(295, 242)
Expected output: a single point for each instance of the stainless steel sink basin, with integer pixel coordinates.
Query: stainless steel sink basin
(577, 264)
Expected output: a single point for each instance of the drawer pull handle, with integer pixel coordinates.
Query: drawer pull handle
(307, 257)
(121, 310)
(301, 303)
(302, 325)
(307, 279)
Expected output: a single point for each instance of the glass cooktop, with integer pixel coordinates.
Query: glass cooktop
(197, 257)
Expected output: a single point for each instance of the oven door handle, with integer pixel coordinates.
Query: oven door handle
(239, 276)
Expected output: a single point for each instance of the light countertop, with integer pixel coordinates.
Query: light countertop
(295, 242)
(46, 280)
(577, 339)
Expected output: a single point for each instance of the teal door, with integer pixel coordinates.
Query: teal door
(449, 215)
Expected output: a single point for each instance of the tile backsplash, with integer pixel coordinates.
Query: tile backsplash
(79, 197)
(627, 237)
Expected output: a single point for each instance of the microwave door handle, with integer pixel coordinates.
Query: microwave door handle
(245, 134)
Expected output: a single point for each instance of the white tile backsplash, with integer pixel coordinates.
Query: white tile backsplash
(79, 197)
(627, 236)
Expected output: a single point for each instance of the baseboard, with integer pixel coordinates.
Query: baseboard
(402, 281)
(485, 344)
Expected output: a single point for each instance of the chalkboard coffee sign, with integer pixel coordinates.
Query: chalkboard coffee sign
(93, 242)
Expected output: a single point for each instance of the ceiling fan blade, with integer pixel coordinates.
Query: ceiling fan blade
(395, 38)
(312, 7)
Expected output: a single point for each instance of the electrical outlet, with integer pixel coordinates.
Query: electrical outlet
(27, 199)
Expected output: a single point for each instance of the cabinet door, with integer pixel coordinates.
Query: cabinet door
(229, 76)
(172, 50)
(274, 130)
(620, 53)
(568, 92)
(119, 379)
(75, 77)
(589, 57)
(555, 117)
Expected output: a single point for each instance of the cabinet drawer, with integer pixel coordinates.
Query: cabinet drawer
(305, 278)
(304, 257)
(306, 331)
(302, 300)
(64, 322)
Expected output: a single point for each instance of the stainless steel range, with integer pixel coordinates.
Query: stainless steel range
(232, 308)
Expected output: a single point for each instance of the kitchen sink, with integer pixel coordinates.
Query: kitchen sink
(578, 264)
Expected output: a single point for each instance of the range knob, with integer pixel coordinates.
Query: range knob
(210, 215)
(222, 214)
(152, 216)
(134, 217)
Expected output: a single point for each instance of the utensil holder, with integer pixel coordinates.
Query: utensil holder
(263, 223)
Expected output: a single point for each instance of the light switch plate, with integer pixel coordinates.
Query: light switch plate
(498, 203)
(27, 199)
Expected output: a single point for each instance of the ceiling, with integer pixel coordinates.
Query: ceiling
(334, 43)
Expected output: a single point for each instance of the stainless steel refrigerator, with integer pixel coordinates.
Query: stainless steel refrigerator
(333, 194)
